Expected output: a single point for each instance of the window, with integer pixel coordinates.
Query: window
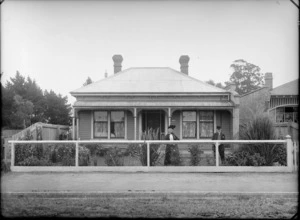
(101, 124)
(206, 125)
(189, 123)
(116, 120)
(286, 114)
(117, 128)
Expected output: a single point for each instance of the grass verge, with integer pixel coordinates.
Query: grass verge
(150, 205)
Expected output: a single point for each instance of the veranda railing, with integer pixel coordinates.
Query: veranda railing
(217, 168)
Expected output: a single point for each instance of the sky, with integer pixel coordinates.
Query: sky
(62, 43)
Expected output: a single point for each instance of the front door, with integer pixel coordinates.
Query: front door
(154, 119)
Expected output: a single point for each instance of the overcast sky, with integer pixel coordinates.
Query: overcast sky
(61, 43)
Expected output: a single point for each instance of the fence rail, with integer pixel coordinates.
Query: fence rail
(290, 152)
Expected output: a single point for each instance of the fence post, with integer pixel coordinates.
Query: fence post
(217, 153)
(12, 162)
(77, 154)
(289, 148)
(148, 154)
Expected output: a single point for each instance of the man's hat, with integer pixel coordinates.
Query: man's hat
(218, 127)
(172, 126)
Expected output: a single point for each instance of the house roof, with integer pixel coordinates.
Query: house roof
(148, 80)
(290, 88)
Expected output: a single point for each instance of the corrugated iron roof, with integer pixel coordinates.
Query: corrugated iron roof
(290, 88)
(148, 80)
(152, 104)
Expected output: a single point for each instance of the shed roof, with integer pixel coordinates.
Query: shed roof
(148, 80)
(290, 88)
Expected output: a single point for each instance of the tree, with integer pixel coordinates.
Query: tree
(23, 109)
(219, 85)
(88, 81)
(20, 94)
(35, 94)
(246, 76)
(57, 109)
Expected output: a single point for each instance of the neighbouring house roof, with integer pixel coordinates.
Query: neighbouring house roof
(148, 80)
(256, 90)
(290, 88)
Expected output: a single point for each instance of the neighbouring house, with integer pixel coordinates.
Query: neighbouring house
(280, 103)
(37, 131)
(6, 135)
(133, 100)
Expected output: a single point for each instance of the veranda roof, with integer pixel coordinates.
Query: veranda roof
(148, 80)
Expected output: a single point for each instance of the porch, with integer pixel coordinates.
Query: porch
(129, 123)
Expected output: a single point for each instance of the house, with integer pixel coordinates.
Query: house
(133, 100)
(281, 104)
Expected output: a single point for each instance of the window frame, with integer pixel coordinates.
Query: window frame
(123, 121)
(212, 122)
(109, 121)
(196, 125)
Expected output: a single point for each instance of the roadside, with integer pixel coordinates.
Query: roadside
(171, 195)
(152, 205)
(79, 182)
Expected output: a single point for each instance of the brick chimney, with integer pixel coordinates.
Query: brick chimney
(184, 64)
(117, 63)
(269, 80)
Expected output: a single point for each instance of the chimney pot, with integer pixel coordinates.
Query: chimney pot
(184, 64)
(269, 80)
(117, 63)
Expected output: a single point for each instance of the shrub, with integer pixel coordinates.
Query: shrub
(195, 155)
(84, 156)
(65, 154)
(244, 158)
(280, 155)
(96, 149)
(114, 157)
(260, 128)
(34, 161)
(155, 153)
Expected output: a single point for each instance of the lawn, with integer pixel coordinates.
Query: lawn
(150, 205)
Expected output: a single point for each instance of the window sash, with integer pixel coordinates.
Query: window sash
(101, 129)
(206, 129)
(117, 130)
(189, 129)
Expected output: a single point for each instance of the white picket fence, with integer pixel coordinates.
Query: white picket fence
(296, 155)
(292, 158)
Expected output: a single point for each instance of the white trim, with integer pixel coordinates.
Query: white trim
(177, 169)
(180, 124)
(125, 124)
(141, 142)
(108, 125)
(92, 126)
(140, 126)
(198, 124)
(285, 105)
(77, 129)
(215, 121)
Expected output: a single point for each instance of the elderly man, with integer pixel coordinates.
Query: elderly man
(219, 136)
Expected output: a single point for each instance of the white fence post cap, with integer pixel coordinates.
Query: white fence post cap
(288, 137)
